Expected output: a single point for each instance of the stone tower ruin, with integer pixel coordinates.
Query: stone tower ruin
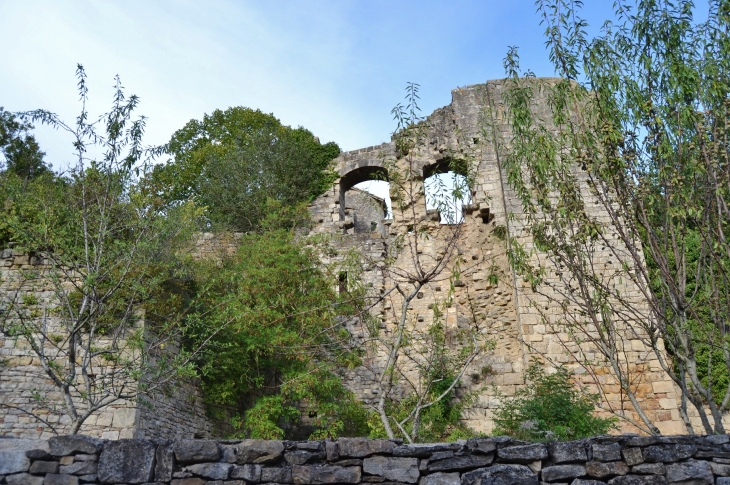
(487, 292)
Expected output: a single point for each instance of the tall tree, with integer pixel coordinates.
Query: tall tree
(23, 156)
(283, 339)
(639, 129)
(233, 161)
(95, 308)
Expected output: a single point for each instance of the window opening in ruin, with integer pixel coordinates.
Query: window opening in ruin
(381, 190)
(342, 283)
(447, 191)
(365, 199)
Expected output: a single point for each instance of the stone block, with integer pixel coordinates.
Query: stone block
(332, 450)
(692, 472)
(214, 471)
(668, 453)
(23, 479)
(71, 444)
(662, 386)
(124, 418)
(720, 469)
(441, 478)
(164, 462)
(276, 475)
(188, 481)
(481, 445)
(363, 447)
(300, 457)
(500, 474)
(259, 451)
(523, 453)
(79, 468)
(43, 467)
(397, 469)
(424, 450)
(250, 473)
(82, 457)
(13, 462)
(463, 462)
(638, 480)
(607, 452)
(325, 474)
(191, 451)
(115, 460)
(561, 472)
(567, 451)
(600, 469)
(649, 469)
(57, 479)
(632, 456)
(38, 455)
(66, 460)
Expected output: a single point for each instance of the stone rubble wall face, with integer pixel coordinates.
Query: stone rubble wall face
(523, 323)
(177, 413)
(612, 460)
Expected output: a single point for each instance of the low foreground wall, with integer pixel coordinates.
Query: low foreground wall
(615, 460)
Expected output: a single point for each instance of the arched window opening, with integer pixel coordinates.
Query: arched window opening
(365, 200)
(447, 190)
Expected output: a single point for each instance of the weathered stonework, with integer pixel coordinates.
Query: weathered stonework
(176, 412)
(697, 460)
(523, 323)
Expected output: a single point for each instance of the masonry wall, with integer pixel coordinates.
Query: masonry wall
(613, 460)
(524, 324)
(178, 411)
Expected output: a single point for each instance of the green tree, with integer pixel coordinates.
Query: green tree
(282, 340)
(638, 128)
(23, 156)
(550, 408)
(96, 306)
(234, 160)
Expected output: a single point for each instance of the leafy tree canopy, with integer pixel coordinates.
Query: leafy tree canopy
(281, 338)
(234, 160)
(23, 156)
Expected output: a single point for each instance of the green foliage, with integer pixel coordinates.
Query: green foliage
(281, 337)
(440, 422)
(233, 161)
(23, 156)
(637, 127)
(108, 259)
(40, 203)
(550, 407)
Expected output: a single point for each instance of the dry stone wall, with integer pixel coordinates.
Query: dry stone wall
(613, 460)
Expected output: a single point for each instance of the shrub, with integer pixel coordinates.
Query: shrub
(549, 408)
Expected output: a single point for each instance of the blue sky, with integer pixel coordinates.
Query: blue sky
(335, 67)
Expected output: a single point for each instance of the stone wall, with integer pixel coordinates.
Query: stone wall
(523, 323)
(178, 411)
(613, 460)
